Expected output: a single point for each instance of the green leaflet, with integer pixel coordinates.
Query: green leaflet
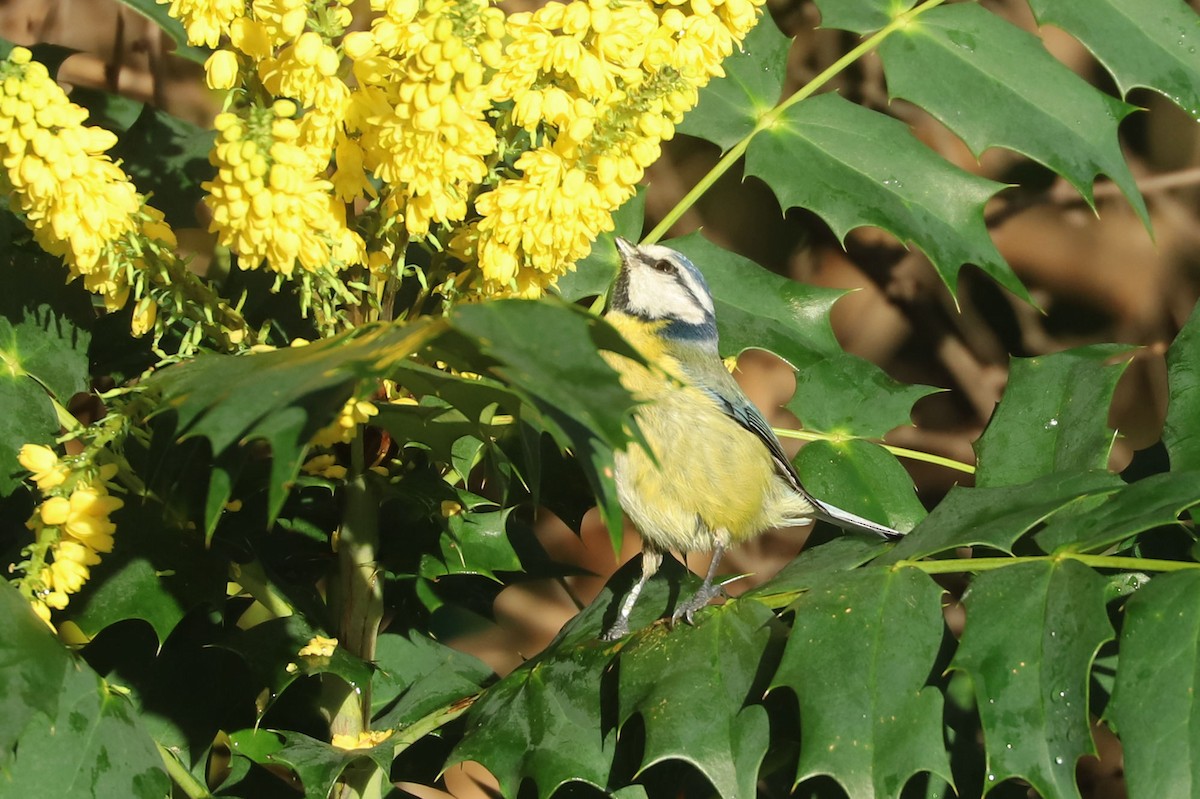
(863, 478)
(725, 737)
(835, 391)
(998, 87)
(1181, 434)
(860, 651)
(416, 675)
(315, 763)
(45, 331)
(154, 574)
(1154, 704)
(1032, 632)
(283, 397)
(1153, 502)
(853, 167)
(94, 744)
(731, 106)
(997, 517)
(1151, 43)
(1053, 416)
(34, 668)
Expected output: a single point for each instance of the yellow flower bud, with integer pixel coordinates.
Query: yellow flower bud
(221, 70)
(144, 314)
(359, 44)
(44, 465)
(55, 511)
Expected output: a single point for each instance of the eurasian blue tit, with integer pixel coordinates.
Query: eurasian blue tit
(718, 475)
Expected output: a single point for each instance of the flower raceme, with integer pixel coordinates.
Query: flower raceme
(71, 526)
(505, 141)
(80, 205)
(269, 200)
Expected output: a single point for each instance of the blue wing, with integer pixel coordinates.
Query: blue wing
(737, 406)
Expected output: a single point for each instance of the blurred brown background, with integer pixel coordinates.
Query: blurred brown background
(1096, 278)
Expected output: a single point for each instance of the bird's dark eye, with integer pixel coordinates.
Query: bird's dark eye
(663, 265)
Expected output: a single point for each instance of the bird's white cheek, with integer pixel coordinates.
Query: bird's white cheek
(660, 296)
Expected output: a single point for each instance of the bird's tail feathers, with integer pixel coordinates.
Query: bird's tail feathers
(850, 521)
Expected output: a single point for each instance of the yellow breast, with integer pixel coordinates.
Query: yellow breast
(709, 481)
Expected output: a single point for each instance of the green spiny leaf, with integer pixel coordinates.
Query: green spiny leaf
(1158, 676)
(32, 668)
(758, 309)
(549, 351)
(863, 478)
(868, 403)
(271, 650)
(1053, 416)
(283, 397)
(819, 564)
(45, 330)
(154, 574)
(545, 721)
(877, 723)
(855, 167)
(416, 675)
(1149, 43)
(860, 16)
(1153, 502)
(1032, 632)
(731, 106)
(998, 87)
(725, 737)
(997, 517)
(94, 746)
(317, 764)
(1181, 434)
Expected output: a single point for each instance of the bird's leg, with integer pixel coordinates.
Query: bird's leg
(706, 591)
(651, 560)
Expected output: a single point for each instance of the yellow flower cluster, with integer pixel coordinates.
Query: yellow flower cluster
(72, 525)
(269, 201)
(79, 205)
(606, 82)
(508, 141)
(421, 105)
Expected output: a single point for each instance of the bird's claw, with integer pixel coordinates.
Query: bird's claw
(618, 631)
(698, 600)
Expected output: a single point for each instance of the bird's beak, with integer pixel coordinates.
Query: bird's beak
(626, 248)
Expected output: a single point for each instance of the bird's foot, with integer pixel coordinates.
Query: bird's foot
(617, 631)
(697, 601)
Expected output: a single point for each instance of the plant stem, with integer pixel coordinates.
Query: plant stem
(434, 721)
(252, 577)
(358, 606)
(769, 118)
(187, 782)
(901, 452)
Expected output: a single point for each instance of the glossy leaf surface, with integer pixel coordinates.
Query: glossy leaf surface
(1154, 703)
(1053, 416)
(1032, 632)
(858, 658)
